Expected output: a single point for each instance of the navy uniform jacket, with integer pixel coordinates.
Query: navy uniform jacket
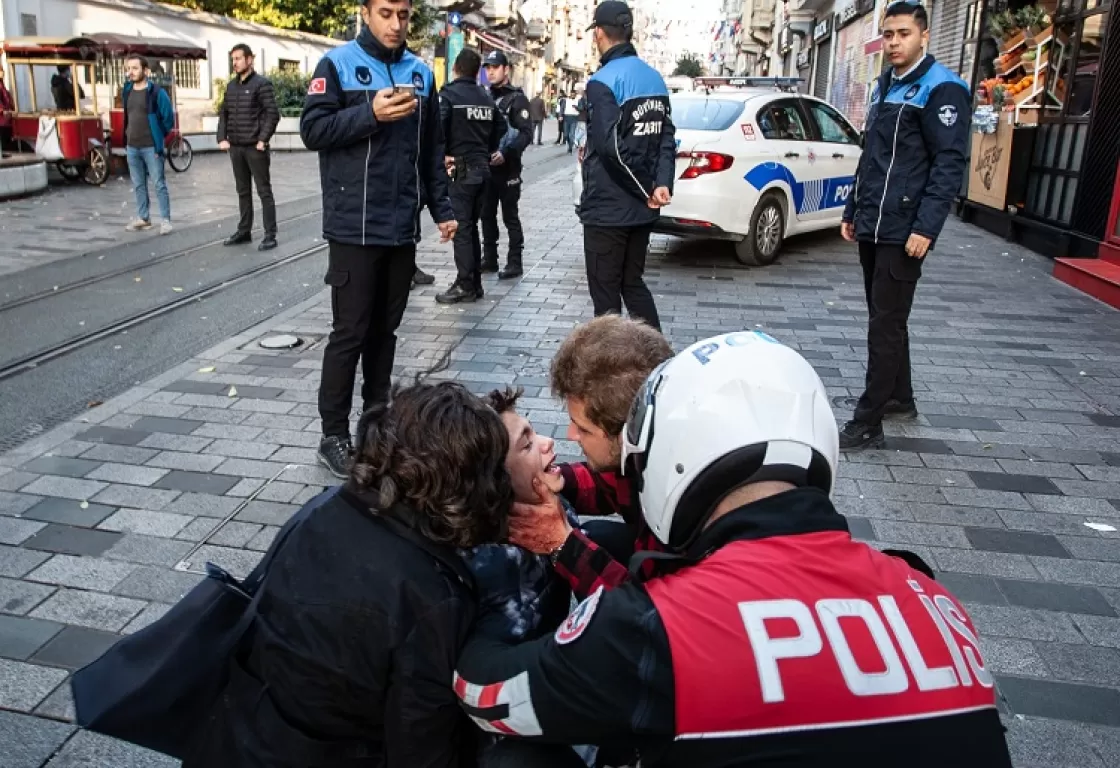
(374, 174)
(631, 149)
(914, 155)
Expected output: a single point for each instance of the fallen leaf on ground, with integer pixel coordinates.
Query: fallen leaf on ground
(233, 391)
(95, 403)
(177, 290)
(1101, 527)
(207, 369)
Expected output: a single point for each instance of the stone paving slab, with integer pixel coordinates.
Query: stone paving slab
(1008, 483)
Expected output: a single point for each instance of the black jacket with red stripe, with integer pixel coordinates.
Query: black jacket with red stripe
(779, 641)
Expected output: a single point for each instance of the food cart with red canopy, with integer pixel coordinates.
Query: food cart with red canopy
(65, 127)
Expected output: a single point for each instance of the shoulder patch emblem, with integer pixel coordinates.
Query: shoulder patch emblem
(318, 85)
(948, 115)
(364, 76)
(912, 92)
(579, 619)
(524, 114)
(418, 81)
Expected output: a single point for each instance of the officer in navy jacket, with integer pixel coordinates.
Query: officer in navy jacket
(372, 113)
(914, 158)
(628, 167)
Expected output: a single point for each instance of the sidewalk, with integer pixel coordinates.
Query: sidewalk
(1016, 452)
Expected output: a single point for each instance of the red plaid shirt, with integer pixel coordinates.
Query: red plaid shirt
(583, 563)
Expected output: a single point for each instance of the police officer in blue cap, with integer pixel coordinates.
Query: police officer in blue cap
(505, 170)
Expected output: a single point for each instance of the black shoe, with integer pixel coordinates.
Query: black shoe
(457, 294)
(420, 277)
(509, 273)
(478, 292)
(238, 238)
(267, 244)
(855, 436)
(335, 454)
(893, 407)
(489, 266)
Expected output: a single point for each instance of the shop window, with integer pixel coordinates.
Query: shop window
(1061, 67)
(834, 128)
(782, 122)
(288, 65)
(1088, 65)
(28, 25)
(187, 74)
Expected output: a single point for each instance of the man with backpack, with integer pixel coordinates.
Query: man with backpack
(505, 171)
(148, 118)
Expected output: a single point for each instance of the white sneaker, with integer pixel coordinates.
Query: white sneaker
(138, 224)
(165, 228)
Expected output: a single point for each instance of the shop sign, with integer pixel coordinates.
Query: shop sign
(847, 14)
(803, 59)
(823, 29)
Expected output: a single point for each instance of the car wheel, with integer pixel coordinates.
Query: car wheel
(764, 241)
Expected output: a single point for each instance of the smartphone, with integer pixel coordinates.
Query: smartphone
(409, 89)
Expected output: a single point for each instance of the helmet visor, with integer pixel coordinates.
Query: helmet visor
(638, 432)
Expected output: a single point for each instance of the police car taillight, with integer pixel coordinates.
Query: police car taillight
(701, 163)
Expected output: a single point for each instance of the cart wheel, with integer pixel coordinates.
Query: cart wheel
(180, 155)
(69, 172)
(97, 167)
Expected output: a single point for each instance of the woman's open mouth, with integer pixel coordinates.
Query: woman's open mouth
(551, 468)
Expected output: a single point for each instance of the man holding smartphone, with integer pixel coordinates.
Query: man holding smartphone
(373, 116)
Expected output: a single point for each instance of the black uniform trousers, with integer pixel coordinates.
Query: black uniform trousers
(890, 278)
(468, 194)
(369, 293)
(616, 261)
(504, 191)
(251, 166)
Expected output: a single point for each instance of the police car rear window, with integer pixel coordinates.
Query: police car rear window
(700, 114)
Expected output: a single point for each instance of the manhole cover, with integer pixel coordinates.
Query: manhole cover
(281, 342)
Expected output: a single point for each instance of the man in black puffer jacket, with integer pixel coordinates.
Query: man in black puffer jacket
(373, 116)
(246, 122)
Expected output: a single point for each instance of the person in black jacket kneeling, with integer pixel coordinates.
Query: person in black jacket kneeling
(350, 659)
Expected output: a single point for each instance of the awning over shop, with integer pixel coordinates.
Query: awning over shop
(496, 42)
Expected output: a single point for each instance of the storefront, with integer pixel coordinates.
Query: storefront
(1054, 86)
(822, 42)
(852, 74)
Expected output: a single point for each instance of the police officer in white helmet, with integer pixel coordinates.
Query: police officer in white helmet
(772, 638)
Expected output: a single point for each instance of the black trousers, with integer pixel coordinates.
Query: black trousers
(251, 166)
(616, 261)
(503, 191)
(468, 194)
(369, 293)
(890, 278)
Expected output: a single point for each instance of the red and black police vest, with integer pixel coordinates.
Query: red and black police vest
(814, 631)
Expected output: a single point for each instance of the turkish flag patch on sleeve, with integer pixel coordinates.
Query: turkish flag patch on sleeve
(318, 85)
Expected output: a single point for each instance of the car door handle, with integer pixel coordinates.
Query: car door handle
(838, 155)
(793, 154)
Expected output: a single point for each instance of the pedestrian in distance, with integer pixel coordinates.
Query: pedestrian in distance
(914, 158)
(569, 120)
(473, 128)
(734, 452)
(372, 114)
(504, 189)
(148, 118)
(628, 167)
(538, 111)
(558, 113)
(246, 122)
(7, 107)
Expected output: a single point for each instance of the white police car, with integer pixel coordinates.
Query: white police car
(756, 162)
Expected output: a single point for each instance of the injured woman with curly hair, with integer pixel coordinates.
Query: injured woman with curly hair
(350, 660)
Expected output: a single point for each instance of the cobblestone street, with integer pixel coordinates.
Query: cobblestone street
(72, 219)
(1008, 483)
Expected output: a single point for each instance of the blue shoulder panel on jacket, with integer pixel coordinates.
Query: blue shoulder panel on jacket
(917, 93)
(631, 78)
(357, 70)
(411, 70)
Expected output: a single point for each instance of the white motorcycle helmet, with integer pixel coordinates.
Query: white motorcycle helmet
(731, 409)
